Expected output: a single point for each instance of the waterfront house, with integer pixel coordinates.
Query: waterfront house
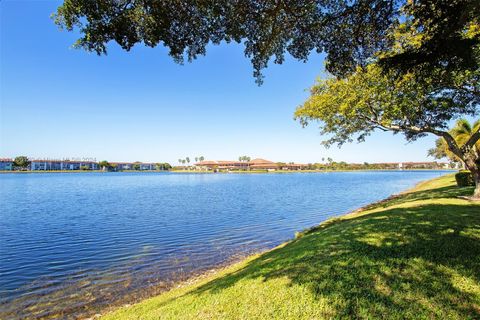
(239, 165)
(221, 165)
(255, 164)
(294, 166)
(262, 164)
(56, 165)
(148, 166)
(6, 164)
(410, 165)
(424, 165)
(122, 166)
(206, 165)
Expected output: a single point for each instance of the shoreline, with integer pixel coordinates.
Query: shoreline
(231, 265)
(350, 266)
(194, 279)
(222, 172)
(311, 171)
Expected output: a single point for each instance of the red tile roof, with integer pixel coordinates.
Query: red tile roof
(206, 163)
(260, 161)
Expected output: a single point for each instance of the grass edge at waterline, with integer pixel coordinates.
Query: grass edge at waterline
(414, 255)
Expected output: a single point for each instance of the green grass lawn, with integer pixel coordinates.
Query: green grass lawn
(415, 256)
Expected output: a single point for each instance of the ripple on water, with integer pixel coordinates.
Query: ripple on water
(75, 244)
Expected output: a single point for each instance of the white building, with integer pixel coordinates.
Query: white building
(50, 165)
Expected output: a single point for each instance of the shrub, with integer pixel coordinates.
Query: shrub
(464, 179)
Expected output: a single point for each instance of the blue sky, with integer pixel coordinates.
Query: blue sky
(127, 106)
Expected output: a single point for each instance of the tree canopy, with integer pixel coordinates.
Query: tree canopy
(104, 163)
(163, 166)
(414, 105)
(351, 33)
(21, 162)
(353, 107)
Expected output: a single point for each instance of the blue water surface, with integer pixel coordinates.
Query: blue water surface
(72, 243)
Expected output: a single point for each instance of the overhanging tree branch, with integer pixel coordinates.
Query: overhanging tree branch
(452, 144)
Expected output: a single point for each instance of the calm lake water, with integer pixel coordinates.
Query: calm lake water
(71, 244)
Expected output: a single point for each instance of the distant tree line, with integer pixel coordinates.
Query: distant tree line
(342, 165)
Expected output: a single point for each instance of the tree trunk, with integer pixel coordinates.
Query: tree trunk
(476, 178)
(475, 170)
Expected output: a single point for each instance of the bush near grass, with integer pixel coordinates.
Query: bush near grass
(464, 179)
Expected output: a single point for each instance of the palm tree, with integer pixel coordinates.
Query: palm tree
(202, 158)
(196, 159)
(461, 132)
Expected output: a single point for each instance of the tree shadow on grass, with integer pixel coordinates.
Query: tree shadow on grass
(418, 262)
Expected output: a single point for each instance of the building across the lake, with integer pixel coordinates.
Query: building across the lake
(262, 164)
(255, 164)
(57, 165)
(148, 166)
(413, 165)
(121, 166)
(6, 164)
(423, 165)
